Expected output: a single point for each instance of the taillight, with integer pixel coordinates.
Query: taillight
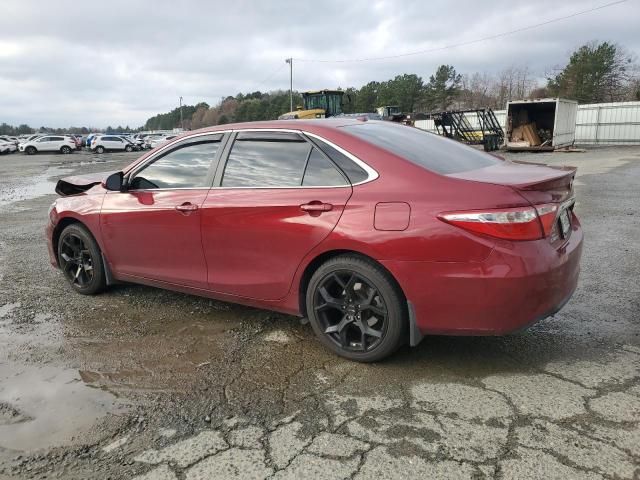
(548, 214)
(521, 223)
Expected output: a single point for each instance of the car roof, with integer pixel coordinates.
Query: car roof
(317, 124)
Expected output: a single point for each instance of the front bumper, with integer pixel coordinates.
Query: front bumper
(517, 285)
(48, 232)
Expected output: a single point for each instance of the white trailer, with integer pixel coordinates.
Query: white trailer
(540, 125)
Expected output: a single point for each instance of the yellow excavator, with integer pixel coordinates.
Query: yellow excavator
(317, 104)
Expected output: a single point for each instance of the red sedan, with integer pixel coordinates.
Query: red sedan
(378, 233)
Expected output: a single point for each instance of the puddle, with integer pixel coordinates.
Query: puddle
(45, 406)
(32, 187)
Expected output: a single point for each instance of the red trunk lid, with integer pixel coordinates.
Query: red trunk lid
(535, 182)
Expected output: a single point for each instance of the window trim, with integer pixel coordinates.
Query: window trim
(228, 136)
(371, 173)
(184, 142)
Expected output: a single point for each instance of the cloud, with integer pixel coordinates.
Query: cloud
(63, 63)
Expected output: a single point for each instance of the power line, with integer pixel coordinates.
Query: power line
(462, 44)
(270, 76)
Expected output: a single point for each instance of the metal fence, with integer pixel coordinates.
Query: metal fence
(608, 124)
(596, 124)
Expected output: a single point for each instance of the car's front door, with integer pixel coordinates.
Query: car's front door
(43, 144)
(152, 230)
(276, 199)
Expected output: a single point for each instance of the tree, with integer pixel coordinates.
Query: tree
(443, 88)
(595, 73)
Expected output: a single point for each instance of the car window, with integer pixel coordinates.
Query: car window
(430, 151)
(266, 160)
(57, 139)
(354, 172)
(321, 172)
(44, 139)
(185, 167)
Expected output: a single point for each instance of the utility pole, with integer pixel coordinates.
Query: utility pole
(290, 62)
(181, 119)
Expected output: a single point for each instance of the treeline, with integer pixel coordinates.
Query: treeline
(6, 129)
(170, 120)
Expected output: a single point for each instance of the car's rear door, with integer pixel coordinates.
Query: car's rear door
(275, 198)
(152, 230)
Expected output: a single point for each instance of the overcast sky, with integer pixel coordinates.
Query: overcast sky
(68, 63)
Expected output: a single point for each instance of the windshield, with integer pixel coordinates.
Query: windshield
(435, 153)
(331, 103)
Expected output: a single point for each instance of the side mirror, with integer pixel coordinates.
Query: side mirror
(114, 182)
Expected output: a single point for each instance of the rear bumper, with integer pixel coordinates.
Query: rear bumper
(517, 285)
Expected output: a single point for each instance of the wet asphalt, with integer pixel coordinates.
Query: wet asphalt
(144, 382)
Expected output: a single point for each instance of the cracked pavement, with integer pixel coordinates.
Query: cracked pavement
(153, 385)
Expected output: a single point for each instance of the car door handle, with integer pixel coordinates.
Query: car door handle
(186, 207)
(316, 207)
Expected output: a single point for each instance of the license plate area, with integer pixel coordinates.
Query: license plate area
(565, 222)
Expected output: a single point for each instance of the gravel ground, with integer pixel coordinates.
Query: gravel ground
(140, 382)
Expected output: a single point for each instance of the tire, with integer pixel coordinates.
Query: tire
(66, 150)
(80, 260)
(128, 148)
(99, 149)
(361, 304)
(30, 150)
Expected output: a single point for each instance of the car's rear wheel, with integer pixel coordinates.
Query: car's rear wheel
(64, 149)
(356, 309)
(80, 260)
(30, 150)
(99, 149)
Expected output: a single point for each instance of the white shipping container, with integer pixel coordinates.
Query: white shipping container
(553, 114)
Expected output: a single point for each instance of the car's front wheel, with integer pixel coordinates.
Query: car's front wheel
(99, 149)
(80, 260)
(30, 150)
(356, 309)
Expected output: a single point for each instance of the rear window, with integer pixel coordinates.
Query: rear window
(435, 153)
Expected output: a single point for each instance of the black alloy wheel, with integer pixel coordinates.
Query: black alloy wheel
(351, 311)
(30, 150)
(65, 149)
(80, 260)
(356, 309)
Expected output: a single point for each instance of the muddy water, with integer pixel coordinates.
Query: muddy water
(46, 406)
(43, 403)
(33, 187)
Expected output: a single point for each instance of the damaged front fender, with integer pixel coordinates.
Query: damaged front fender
(77, 184)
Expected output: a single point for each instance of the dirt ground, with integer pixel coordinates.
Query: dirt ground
(149, 384)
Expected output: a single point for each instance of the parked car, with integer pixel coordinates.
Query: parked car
(7, 138)
(152, 136)
(111, 143)
(76, 141)
(378, 233)
(157, 141)
(30, 138)
(7, 146)
(48, 143)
